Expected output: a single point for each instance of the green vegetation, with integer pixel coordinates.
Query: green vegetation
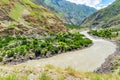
(5, 1)
(106, 33)
(52, 74)
(116, 66)
(115, 29)
(16, 12)
(9, 77)
(52, 44)
(44, 76)
(73, 26)
(30, 3)
(61, 77)
(1, 58)
(114, 34)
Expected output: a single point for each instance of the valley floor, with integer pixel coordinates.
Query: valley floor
(85, 60)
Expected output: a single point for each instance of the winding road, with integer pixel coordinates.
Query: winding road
(85, 60)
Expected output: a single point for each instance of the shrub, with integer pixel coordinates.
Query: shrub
(61, 77)
(52, 48)
(10, 53)
(1, 58)
(106, 33)
(10, 77)
(54, 43)
(44, 76)
(44, 51)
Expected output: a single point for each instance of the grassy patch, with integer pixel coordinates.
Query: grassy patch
(40, 73)
(5, 1)
(73, 26)
(44, 76)
(16, 11)
(30, 3)
(9, 77)
(61, 77)
(106, 33)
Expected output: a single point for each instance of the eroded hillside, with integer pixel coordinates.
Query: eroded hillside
(18, 17)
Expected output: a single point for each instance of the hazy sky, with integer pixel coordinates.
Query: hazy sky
(93, 3)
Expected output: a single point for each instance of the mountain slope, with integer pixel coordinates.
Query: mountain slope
(107, 17)
(24, 17)
(69, 12)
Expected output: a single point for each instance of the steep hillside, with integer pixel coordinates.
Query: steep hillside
(107, 17)
(29, 31)
(69, 12)
(18, 17)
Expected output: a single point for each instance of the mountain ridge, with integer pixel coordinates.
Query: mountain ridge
(69, 12)
(107, 17)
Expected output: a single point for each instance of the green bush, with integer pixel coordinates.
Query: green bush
(44, 51)
(10, 77)
(10, 53)
(106, 33)
(54, 43)
(1, 58)
(44, 76)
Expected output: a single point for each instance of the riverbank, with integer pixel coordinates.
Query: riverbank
(20, 49)
(110, 62)
(85, 60)
(22, 60)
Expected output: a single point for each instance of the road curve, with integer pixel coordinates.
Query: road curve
(85, 60)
